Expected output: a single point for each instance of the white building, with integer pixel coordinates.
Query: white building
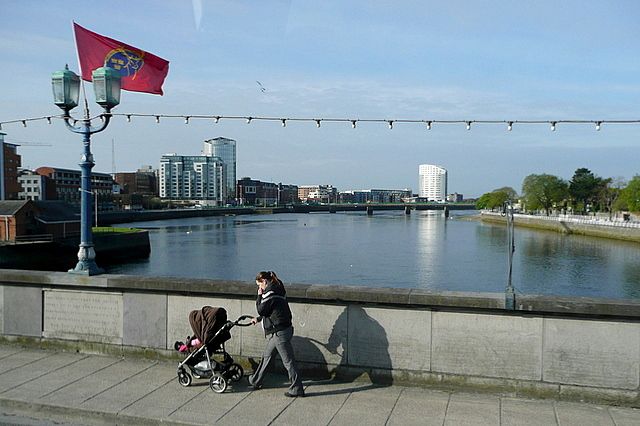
(33, 186)
(433, 182)
(225, 149)
(192, 177)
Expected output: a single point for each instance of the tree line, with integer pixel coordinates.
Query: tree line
(584, 193)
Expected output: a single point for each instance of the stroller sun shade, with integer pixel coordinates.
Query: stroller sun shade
(206, 322)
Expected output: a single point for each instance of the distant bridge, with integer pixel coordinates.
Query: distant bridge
(371, 207)
(109, 218)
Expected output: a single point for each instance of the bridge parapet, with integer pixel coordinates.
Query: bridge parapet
(550, 346)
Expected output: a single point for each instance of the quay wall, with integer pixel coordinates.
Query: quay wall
(566, 348)
(589, 228)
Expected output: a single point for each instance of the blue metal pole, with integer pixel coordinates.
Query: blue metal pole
(86, 255)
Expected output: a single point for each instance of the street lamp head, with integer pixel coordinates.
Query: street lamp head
(106, 84)
(66, 88)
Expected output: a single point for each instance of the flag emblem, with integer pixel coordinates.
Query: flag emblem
(127, 62)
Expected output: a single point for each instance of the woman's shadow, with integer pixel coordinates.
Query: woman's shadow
(362, 346)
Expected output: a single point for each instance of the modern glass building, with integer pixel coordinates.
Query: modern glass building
(192, 177)
(433, 182)
(225, 149)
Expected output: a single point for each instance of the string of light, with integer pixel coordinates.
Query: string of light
(509, 124)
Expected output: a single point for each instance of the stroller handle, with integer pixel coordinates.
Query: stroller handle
(239, 323)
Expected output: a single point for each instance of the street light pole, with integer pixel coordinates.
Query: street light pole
(65, 92)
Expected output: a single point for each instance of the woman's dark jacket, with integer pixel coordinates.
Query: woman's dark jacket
(273, 308)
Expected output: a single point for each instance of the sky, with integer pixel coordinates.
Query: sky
(416, 60)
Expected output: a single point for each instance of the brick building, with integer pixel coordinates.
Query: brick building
(10, 162)
(252, 192)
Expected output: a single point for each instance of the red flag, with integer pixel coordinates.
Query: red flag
(141, 71)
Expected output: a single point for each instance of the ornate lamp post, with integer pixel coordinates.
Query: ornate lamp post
(66, 88)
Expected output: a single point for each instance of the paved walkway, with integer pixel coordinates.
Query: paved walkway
(90, 389)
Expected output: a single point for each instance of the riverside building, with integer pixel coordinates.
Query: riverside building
(65, 184)
(432, 182)
(225, 150)
(10, 161)
(198, 178)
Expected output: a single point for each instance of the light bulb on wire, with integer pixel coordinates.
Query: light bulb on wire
(468, 125)
(428, 125)
(553, 126)
(598, 124)
(353, 124)
(318, 124)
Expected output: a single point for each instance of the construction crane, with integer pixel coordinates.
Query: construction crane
(19, 143)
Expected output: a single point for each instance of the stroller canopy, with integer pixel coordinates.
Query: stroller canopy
(206, 322)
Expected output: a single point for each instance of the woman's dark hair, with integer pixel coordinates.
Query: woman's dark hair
(269, 276)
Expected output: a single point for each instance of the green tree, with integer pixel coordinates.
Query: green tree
(496, 198)
(609, 194)
(509, 191)
(630, 195)
(543, 191)
(584, 188)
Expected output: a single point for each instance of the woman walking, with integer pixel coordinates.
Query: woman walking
(275, 316)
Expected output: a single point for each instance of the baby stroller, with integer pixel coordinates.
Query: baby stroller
(211, 330)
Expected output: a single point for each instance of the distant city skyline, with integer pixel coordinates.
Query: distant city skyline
(495, 60)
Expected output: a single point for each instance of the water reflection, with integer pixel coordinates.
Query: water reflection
(389, 249)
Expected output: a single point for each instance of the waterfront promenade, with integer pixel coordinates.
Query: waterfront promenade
(76, 388)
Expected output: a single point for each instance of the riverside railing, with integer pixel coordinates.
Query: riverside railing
(574, 219)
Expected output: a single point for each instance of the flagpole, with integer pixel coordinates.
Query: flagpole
(84, 93)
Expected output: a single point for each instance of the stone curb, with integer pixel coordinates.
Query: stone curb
(73, 414)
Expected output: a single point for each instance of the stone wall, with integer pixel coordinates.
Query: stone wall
(561, 347)
(569, 227)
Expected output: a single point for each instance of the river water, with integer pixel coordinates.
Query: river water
(389, 249)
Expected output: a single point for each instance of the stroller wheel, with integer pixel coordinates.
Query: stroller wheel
(217, 383)
(184, 378)
(234, 372)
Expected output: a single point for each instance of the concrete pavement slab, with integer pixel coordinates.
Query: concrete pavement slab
(473, 410)
(54, 380)
(92, 385)
(418, 406)
(165, 400)
(625, 416)
(215, 405)
(322, 402)
(570, 414)
(258, 408)
(6, 351)
(370, 407)
(522, 412)
(20, 375)
(18, 359)
(132, 389)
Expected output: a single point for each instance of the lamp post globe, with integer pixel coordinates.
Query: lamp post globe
(106, 85)
(66, 88)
